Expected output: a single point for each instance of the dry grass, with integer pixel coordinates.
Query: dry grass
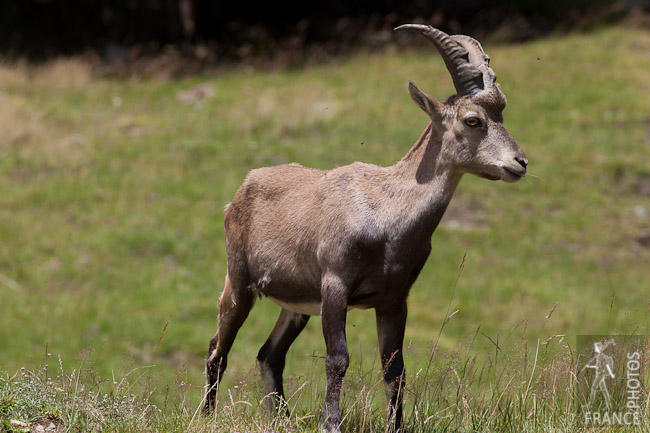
(515, 388)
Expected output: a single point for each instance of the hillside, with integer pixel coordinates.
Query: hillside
(111, 240)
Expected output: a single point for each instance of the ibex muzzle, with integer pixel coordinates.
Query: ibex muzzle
(320, 242)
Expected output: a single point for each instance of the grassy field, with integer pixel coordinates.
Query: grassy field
(112, 249)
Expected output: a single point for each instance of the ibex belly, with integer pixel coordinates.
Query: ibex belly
(309, 308)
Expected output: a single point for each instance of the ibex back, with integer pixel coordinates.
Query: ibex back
(320, 242)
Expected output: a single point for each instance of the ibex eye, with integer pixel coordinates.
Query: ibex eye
(472, 121)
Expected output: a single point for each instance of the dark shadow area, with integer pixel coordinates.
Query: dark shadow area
(287, 32)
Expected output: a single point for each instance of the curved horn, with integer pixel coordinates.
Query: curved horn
(467, 77)
(477, 57)
(492, 94)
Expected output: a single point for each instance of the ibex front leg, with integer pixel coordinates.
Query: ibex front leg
(333, 310)
(390, 330)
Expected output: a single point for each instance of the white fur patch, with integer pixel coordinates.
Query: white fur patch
(309, 308)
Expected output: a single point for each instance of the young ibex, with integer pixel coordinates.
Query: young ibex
(320, 242)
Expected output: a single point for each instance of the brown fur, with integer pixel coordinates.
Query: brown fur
(357, 236)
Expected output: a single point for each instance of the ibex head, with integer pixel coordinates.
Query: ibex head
(475, 140)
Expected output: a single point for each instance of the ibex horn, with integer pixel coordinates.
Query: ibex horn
(467, 77)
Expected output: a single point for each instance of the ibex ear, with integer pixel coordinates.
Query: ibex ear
(428, 104)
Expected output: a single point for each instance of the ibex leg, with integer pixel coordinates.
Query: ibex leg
(234, 305)
(334, 310)
(273, 353)
(390, 330)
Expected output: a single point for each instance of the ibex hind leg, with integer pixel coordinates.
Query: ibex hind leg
(235, 303)
(273, 353)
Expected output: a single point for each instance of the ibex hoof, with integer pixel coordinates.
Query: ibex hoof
(331, 425)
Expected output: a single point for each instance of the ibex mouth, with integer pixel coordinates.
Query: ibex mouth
(514, 175)
(489, 176)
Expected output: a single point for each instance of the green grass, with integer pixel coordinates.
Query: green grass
(457, 392)
(111, 217)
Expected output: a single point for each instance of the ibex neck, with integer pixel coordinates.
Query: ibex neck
(424, 182)
(426, 162)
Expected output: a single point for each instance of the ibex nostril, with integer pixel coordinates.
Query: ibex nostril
(522, 161)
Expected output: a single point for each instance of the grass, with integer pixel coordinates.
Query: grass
(457, 392)
(111, 238)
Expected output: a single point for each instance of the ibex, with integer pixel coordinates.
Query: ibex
(321, 242)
